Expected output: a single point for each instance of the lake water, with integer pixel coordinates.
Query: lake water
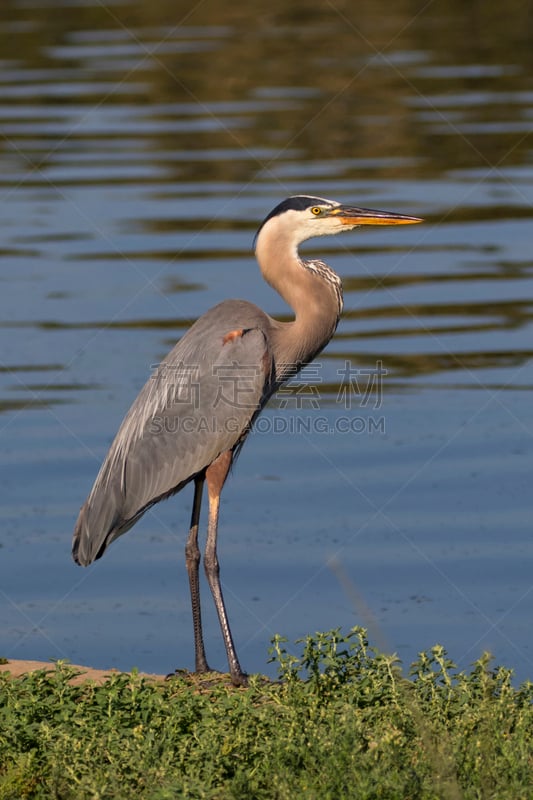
(141, 145)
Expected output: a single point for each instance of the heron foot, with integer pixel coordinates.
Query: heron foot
(210, 675)
(239, 679)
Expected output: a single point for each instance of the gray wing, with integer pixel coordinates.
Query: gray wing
(200, 402)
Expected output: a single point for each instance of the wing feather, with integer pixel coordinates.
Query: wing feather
(199, 403)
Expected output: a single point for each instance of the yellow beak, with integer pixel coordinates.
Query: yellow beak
(350, 215)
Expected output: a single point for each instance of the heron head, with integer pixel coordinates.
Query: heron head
(307, 216)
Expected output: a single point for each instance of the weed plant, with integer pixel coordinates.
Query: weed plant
(341, 722)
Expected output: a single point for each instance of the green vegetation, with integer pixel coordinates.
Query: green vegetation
(342, 722)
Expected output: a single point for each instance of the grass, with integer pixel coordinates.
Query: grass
(341, 722)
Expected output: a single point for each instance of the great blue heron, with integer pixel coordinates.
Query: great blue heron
(191, 418)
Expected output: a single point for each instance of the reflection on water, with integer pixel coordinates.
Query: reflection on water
(141, 145)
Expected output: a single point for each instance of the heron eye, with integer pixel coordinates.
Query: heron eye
(316, 210)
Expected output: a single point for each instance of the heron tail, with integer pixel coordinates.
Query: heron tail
(100, 521)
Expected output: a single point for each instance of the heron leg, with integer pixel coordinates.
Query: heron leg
(216, 475)
(192, 560)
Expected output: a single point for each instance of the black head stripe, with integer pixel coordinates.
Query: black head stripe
(296, 203)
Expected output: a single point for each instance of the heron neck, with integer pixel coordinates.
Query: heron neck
(311, 297)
